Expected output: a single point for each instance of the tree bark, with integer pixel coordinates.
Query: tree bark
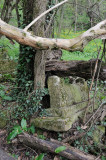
(82, 69)
(40, 56)
(75, 44)
(49, 146)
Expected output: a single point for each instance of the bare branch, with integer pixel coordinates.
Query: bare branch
(75, 44)
(40, 16)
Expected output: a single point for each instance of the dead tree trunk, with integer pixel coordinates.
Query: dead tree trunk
(82, 69)
(49, 146)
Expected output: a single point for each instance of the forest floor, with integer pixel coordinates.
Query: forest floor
(23, 152)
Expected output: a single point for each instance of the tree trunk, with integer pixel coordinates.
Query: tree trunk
(49, 146)
(82, 69)
(39, 69)
(40, 56)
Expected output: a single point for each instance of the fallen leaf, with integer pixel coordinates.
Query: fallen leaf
(84, 127)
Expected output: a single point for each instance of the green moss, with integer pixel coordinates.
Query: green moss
(7, 66)
(23, 34)
(3, 123)
(3, 119)
(52, 123)
(98, 133)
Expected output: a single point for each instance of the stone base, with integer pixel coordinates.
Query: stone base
(67, 102)
(53, 123)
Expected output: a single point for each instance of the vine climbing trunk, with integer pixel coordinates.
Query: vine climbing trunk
(26, 56)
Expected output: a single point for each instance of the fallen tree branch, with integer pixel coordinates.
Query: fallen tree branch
(75, 44)
(48, 146)
(75, 68)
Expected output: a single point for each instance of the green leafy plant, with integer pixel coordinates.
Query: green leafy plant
(24, 124)
(60, 149)
(28, 101)
(42, 136)
(16, 130)
(40, 157)
(3, 95)
(103, 158)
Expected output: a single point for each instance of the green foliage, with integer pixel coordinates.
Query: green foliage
(28, 101)
(59, 136)
(40, 157)
(3, 94)
(24, 124)
(8, 49)
(31, 129)
(42, 136)
(16, 130)
(66, 80)
(103, 158)
(60, 149)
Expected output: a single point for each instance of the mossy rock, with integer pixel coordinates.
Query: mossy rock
(65, 94)
(3, 123)
(65, 104)
(7, 66)
(98, 133)
(3, 119)
(53, 123)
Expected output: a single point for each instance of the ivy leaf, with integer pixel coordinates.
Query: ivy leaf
(12, 135)
(103, 158)
(89, 134)
(60, 149)
(32, 129)
(8, 98)
(24, 124)
(17, 130)
(40, 157)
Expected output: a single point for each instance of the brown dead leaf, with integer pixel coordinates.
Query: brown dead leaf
(84, 127)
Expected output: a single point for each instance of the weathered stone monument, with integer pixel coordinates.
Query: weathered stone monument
(68, 98)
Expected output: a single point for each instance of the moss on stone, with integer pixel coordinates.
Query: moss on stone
(3, 119)
(65, 104)
(98, 133)
(52, 123)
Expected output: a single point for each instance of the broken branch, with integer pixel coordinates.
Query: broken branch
(48, 146)
(75, 44)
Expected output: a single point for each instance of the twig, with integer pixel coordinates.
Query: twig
(103, 53)
(47, 29)
(73, 138)
(95, 69)
(95, 112)
(40, 16)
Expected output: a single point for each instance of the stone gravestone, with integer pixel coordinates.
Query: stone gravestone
(67, 99)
